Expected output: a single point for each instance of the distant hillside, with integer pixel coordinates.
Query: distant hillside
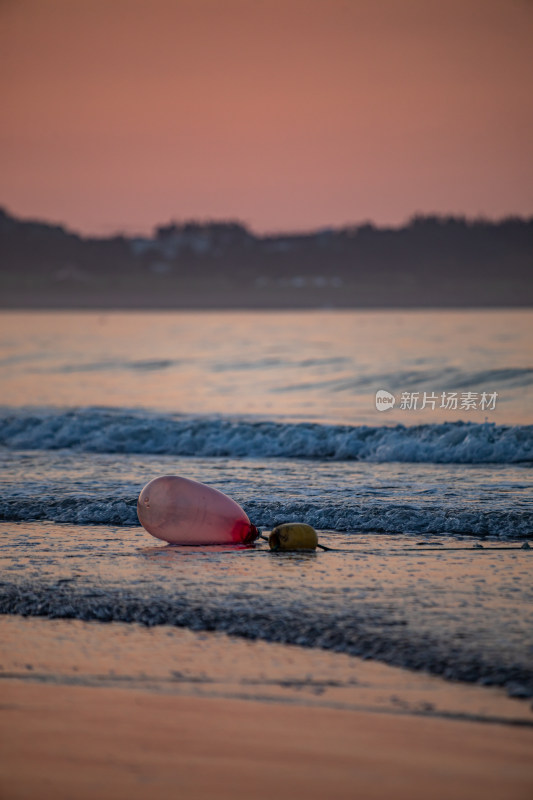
(430, 262)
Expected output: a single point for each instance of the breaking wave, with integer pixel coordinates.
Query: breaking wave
(101, 430)
(355, 517)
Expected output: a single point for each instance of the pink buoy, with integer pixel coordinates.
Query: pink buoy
(182, 511)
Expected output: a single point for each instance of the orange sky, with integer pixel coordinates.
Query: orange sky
(287, 114)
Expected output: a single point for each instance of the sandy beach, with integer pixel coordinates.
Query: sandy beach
(120, 711)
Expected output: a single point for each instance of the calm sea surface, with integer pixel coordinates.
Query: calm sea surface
(319, 366)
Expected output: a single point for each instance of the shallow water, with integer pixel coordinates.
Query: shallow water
(278, 410)
(488, 500)
(466, 613)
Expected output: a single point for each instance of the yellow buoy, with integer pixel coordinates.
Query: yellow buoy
(293, 536)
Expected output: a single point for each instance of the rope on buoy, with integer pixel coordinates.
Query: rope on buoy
(275, 548)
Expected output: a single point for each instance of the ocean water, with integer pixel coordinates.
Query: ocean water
(278, 410)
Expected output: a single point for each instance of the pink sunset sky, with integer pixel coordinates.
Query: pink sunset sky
(285, 114)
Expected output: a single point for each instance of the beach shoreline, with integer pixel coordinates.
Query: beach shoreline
(415, 603)
(135, 669)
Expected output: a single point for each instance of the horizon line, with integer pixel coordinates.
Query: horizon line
(275, 233)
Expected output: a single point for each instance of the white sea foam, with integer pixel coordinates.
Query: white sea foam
(338, 516)
(101, 430)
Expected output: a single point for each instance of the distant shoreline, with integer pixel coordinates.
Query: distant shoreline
(432, 262)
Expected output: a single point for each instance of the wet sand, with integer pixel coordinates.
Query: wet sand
(117, 710)
(453, 610)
